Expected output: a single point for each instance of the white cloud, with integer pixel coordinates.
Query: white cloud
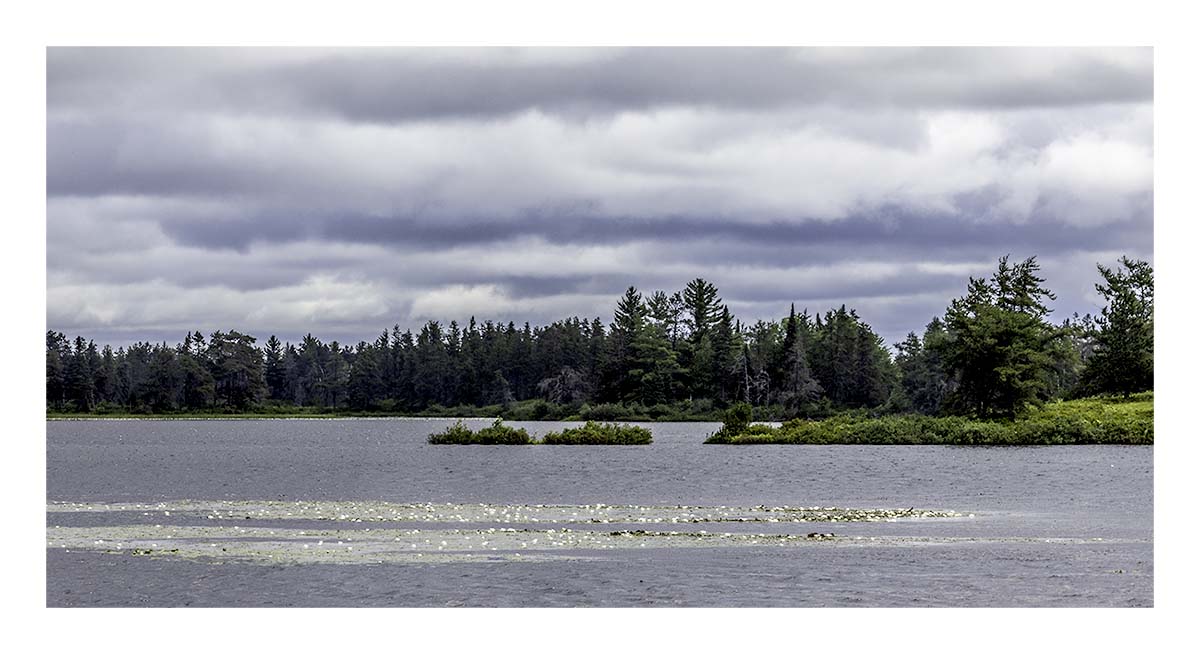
(159, 305)
(208, 186)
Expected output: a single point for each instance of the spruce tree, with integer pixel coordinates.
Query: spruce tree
(273, 372)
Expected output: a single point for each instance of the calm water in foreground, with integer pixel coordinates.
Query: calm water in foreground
(281, 505)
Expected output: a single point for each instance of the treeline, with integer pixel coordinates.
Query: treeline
(993, 353)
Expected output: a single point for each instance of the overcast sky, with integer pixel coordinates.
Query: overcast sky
(339, 192)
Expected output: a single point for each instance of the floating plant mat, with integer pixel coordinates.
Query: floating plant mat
(345, 546)
(374, 511)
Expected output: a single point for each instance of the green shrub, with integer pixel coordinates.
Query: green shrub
(500, 434)
(456, 434)
(737, 420)
(108, 408)
(660, 411)
(593, 433)
(754, 439)
(605, 411)
(496, 434)
(760, 429)
(540, 410)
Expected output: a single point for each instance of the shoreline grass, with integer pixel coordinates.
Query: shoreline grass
(82, 417)
(1097, 420)
(526, 410)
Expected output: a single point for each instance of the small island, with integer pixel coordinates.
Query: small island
(591, 433)
(1091, 421)
(595, 433)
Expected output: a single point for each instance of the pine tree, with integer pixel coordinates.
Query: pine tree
(1124, 358)
(726, 345)
(656, 369)
(237, 369)
(629, 318)
(365, 385)
(998, 349)
(668, 311)
(702, 307)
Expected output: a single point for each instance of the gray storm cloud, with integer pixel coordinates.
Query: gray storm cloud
(341, 191)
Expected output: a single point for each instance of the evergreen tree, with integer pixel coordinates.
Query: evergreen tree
(79, 380)
(621, 374)
(702, 307)
(993, 354)
(668, 312)
(998, 349)
(701, 312)
(653, 377)
(237, 369)
(366, 385)
(799, 390)
(338, 381)
(499, 391)
(923, 381)
(726, 346)
(161, 387)
(274, 372)
(198, 389)
(1124, 358)
(849, 361)
(433, 361)
(57, 353)
(406, 393)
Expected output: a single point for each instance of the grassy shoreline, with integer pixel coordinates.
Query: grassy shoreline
(526, 410)
(1111, 420)
(67, 417)
(1092, 421)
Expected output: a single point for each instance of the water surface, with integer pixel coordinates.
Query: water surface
(1041, 526)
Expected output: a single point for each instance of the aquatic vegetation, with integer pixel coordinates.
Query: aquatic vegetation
(1087, 421)
(497, 434)
(276, 546)
(378, 511)
(283, 533)
(594, 433)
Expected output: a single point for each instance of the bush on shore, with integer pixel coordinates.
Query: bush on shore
(736, 423)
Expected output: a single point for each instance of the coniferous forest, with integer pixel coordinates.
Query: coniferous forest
(994, 353)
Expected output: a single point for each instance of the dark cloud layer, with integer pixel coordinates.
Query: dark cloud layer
(900, 231)
(342, 191)
(387, 85)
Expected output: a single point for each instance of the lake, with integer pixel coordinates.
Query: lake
(362, 512)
